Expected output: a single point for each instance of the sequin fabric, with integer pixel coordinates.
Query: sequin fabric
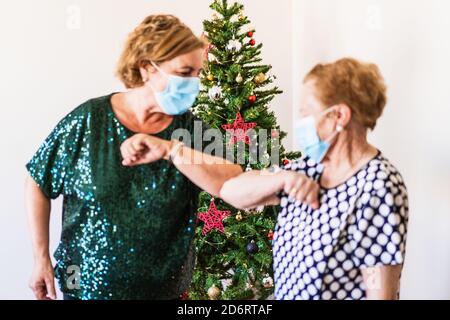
(126, 232)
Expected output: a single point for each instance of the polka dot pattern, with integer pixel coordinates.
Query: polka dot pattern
(318, 254)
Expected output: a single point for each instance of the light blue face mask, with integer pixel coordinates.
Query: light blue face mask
(179, 95)
(308, 139)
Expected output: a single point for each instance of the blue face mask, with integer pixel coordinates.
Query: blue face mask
(179, 95)
(309, 141)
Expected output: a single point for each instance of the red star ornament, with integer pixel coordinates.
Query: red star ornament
(213, 219)
(238, 130)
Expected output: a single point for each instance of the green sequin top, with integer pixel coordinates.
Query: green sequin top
(126, 230)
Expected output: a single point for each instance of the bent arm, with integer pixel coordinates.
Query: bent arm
(207, 172)
(253, 189)
(382, 282)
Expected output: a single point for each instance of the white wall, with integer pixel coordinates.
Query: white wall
(410, 41)
(50, 63)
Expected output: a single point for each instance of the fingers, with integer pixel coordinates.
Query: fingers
(40, 292)
(133, 149)
(312, 198)
(50, 285)
(303, 189)
(143, 149)
(39, 289)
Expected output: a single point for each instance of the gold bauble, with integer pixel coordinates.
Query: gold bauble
(213, 292)
(210, 77)
(239, 78)
(260, 78)
(239, 216)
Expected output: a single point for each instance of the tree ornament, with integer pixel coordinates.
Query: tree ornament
(252, 247)
(241, 17)
(239, 216)
(259, 78)
(184, 295)
(249, 168)
(275, 133)
(250, 34)
(226, 283)
(215, 93)
(270, 235)
(239, 130)
(210, 77)
(239, 78)
(213, 292)
(212, 58)
(234, 18)
(252, 99)
(213, 218)
(252, 42)
(234, 46)
(267, 282)
(285, 161)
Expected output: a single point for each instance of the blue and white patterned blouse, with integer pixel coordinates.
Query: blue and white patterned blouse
(319, 254)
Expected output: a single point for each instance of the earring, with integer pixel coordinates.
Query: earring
(339, 128)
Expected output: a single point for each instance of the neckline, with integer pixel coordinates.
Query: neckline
(361, 169)
(113, 114)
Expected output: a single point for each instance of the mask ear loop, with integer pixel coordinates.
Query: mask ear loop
(160, 71)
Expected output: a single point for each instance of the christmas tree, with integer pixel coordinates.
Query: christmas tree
(233, 247)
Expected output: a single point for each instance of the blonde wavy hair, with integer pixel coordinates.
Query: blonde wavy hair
(158, 38)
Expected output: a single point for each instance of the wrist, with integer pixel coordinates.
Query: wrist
(174, 150)
(284, 178)
(168, 145)
(42, 258)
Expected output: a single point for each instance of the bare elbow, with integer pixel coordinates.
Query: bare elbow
(227, 193)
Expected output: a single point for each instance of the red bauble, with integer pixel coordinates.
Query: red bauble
(285, 162)
(252, 99)
(270, 235)
(184, 295)
(252, 42)
(250, 34)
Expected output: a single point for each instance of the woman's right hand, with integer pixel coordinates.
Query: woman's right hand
(301, 188)
(42, 280)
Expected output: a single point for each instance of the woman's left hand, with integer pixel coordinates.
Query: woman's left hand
(143, 149)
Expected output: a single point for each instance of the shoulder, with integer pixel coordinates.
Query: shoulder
(81, 116)
(383, 174)
(305, 166)
(384, 191)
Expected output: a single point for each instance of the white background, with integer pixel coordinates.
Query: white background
(410, 41)
(50, 62)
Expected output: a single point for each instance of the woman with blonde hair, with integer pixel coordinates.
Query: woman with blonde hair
(130, 192)
(341, 231)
